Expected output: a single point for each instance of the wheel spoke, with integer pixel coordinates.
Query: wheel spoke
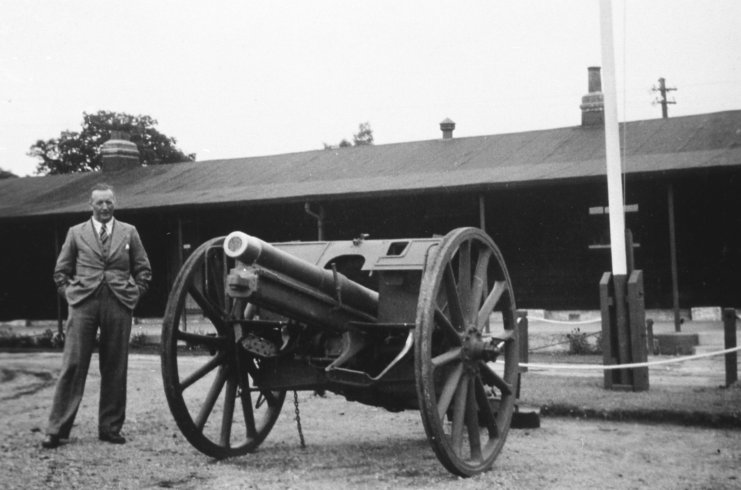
(472, 422)
(266, 397)
(228, 415)
(454, 301)
(464, 278)
(447, 328)
(488, 414)
(272, 399)
(490, 377)
(209, 310)
(450, 356)
(214, 263)
(210, 401)
(248, 413)
(451, 385)
(202, 371)
(504, 335)
(490, 303)
(465, 401)
(201, 283)
(459, 413)
(480, 280)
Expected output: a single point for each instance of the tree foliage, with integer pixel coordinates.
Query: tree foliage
(363, 137)
(7, 174)
(76, 152)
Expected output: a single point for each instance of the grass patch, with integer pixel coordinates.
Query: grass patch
(580, 343)
(45, 340)
(585, 396)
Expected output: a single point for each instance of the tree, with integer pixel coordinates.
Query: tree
(7, 174)
(76, 152)
(363, 137)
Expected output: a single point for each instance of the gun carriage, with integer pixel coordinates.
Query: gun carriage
(399, 324)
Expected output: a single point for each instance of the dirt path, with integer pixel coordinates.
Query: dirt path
(349, 445)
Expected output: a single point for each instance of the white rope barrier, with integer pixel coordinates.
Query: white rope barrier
(626, 366)
(562, 322)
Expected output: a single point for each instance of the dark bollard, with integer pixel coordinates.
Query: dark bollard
(729, 328)
(523, 419)
(650, 336)
(523, 334)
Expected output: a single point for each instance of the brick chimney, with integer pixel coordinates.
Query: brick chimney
(118, 153)
(593, 104)
(447, 127)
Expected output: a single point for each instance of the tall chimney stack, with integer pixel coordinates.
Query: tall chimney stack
(118, 153)
(593, 104)
(447, 127)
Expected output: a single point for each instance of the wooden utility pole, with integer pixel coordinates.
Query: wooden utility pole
(664, 103)
(673, 258)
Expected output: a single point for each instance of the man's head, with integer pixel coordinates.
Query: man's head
(102, 202)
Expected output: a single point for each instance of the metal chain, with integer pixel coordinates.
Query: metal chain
(298, 420)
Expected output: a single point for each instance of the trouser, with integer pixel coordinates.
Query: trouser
(101, 309)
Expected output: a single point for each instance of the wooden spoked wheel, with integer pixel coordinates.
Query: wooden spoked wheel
(466, 400)
(207, 379)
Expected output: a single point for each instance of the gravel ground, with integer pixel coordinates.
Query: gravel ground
(348, 444)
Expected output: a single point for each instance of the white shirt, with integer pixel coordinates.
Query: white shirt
(108, 226)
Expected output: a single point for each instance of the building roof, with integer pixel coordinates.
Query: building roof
(458, 164)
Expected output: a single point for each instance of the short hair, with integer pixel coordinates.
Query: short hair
(101, 186)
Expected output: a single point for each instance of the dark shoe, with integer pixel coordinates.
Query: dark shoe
(112, 438)
(51, 441)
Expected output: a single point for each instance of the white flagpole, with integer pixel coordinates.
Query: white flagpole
(612, 144)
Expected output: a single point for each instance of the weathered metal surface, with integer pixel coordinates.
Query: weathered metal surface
(250, 250)
(286, 317)
(293, 299)
(224, 369)
(459, 391)
(402, 254)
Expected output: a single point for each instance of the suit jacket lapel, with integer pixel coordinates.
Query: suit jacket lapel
(117, 237)
(90, 237)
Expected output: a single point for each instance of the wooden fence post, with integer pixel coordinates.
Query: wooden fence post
(729, 336)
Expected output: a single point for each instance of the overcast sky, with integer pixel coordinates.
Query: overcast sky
(239, 78)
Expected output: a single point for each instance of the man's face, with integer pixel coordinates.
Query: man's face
(102, 204)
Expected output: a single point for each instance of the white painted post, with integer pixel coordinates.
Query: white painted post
(612, 144)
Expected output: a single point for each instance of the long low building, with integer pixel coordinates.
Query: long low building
(541, 195)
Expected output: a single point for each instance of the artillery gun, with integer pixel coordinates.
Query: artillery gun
(424, 324)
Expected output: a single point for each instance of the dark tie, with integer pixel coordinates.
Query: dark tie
(103, 235)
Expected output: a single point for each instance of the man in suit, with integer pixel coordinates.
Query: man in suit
(102, 271)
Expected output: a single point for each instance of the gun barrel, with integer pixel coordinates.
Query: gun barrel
(252, 250)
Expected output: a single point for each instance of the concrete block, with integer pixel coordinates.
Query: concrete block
(41, 323)
(16, 323)
(536, 313)
(668, 315)
(707, 314)
(147, 321)
(677, 343)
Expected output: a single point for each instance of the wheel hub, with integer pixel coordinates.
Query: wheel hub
(474, 348)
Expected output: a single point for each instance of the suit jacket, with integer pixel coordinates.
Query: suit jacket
(82, 264)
